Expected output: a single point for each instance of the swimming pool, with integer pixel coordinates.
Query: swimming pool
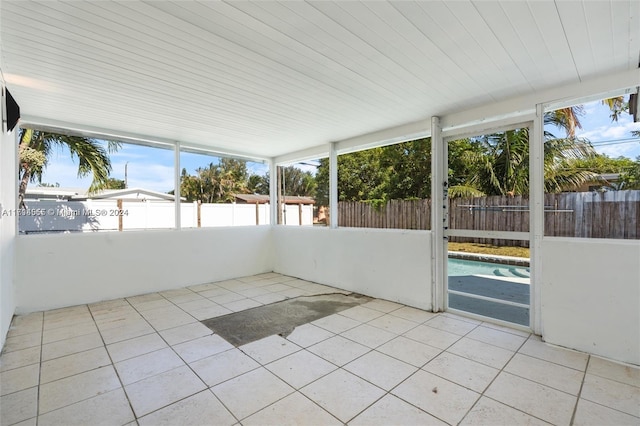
(462, 267)
(491, 290)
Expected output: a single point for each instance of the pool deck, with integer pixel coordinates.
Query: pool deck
(491, 258)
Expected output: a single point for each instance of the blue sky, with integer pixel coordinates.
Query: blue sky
(149, 168)
(152, 168)
(612, 139)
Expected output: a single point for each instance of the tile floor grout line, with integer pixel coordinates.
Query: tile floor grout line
(266, 406)
(551, 362)
(297, 390)
(40, 371)
(500, 371)
(136, 418)
(389, 392)
(207, 387)
(554, 347)
(341, 367)
(427, 362)
(514, 408)
(613, 409)
(113, 365)
(318, 405)
(260, 365)
(613, 379)
(575, 406)
(386, 393)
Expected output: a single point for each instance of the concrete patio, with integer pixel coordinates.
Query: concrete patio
(148, 360)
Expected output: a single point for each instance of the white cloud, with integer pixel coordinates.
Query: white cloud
(591, 107)
(257, 168)
(155, 177)
(622, 150)
(307, 168)
(65, 173)
(620, 130)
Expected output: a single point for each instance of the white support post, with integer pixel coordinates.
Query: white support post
(333, 185)
(16, 173)
(176, 191)
(536, 208)
(439, 206)
(273, 192)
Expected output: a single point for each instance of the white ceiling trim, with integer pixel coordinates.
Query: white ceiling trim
(486, 117)
(108, 134)
(499, 114)
(524, 105)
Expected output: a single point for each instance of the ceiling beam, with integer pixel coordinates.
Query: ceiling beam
(56, 126)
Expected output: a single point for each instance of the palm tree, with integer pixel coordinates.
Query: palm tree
(566, 119)
(215, 183)
(617, 106)
(501, 167)
(298, 182)
(36, 147)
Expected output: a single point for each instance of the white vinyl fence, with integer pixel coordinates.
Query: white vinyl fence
(107, 215)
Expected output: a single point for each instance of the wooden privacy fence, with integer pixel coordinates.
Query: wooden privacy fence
(611, 214)
(398, 214)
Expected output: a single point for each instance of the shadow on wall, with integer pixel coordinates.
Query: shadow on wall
(60, 216)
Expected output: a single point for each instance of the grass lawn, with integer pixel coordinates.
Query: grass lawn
(489, 249)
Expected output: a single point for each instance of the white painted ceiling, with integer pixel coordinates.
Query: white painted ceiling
(267, 78)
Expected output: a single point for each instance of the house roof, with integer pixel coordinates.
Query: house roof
(82, 194)
(269, 78)
(610, 176)
(53, 192)
(137, 193)
(262, 199)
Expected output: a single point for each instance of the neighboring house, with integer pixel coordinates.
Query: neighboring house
(605, 181)
(52, 193)
(264, 199)
(73, 194)
(314, 214)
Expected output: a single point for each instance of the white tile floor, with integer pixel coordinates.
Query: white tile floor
(147, 360)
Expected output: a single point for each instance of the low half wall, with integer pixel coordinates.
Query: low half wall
(57, 270)
(390, 264)
(591, 296)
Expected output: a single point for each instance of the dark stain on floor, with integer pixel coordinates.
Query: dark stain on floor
(280, 318)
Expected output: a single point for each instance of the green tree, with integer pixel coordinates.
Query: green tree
(322, 183)
(501, 164)
(258, 184)
(298, 182)
(113, 183)
(36, 147)
(617, 105)
(361, 176)
(486, 165)
(216, 183)
(630, 178)
(408, 166)
(601, 163)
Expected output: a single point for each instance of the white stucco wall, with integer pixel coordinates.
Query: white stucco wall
(8, 189)
(591, 296)
(56, 270)
(385, 263)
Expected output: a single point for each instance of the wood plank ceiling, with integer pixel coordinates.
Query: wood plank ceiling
(268, 78)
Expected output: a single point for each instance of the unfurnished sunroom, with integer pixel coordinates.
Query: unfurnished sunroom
(284, 82)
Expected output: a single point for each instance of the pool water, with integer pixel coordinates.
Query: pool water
(461, 267)
(490, 290)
